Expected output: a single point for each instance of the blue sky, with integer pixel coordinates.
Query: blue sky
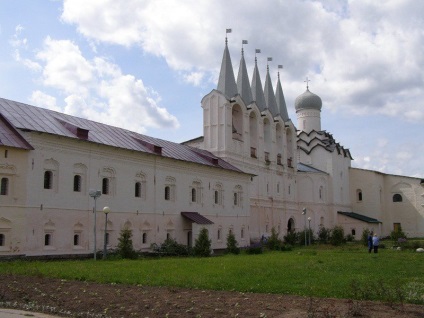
(146, 64)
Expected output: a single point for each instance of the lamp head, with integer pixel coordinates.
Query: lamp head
(106, 210)
(303, 211)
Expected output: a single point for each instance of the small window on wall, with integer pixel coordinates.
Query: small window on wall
(48, 179)
(167, 193)
(76, 239)
(137, 190)
(397, 197)
(353, 232)
(47, 239)
(193, 195)
(4, 186)
(2, 240)
(77, 183)
(359, 195)
(219, 235)
(105, 186)
(144, 238)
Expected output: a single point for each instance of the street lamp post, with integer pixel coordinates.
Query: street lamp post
(94, 194)
(309, 232)
(106, 210)
(304, 213)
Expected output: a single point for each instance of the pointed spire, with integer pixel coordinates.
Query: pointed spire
(243, 85)
(227, 83)
(281, 102)
(269, 93)
(257, 91)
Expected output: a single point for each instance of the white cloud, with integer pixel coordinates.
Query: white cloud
(97, 89)
(363, 57)
(44, 100)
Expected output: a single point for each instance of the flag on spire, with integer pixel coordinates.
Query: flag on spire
(243, 41)
(228, 30)
(280, 66)
(257, 50)
(269, 59)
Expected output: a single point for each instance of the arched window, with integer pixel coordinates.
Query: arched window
(193, 195)
(77, 183)
(237, 122)
(242, 233)
(219, 234)
(144, 238)
(48, 179)
(47, 239)
(4, 186)
(105, 186)
(216, 197)
(2, 240)
(320, 192)
(359, 195)
(253, 127)
(137, 189)
(76, 239)
(238, 195)
(168, 236)
(397, 197)
(167, 193)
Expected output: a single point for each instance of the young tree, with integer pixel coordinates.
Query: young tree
(125, 245)
(337, 236)
(202, 245)
(274, 243)
(232, 244)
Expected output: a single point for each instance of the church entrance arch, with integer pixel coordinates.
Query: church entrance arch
(290, 225)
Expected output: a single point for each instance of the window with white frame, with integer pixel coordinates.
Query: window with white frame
(108, 179)
(170, 189)
(196, 192)
(140, 186)
(237, 195)
(218, 194)
(50, 176)
(80, 175)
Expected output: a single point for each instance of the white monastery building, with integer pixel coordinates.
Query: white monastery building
(251, 171)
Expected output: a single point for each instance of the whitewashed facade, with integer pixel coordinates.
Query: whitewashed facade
(251, 171)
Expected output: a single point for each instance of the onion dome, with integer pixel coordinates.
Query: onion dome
(308, 100)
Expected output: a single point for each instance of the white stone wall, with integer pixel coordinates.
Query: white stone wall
(30, 212)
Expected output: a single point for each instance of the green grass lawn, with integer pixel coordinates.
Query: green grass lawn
(316, 271)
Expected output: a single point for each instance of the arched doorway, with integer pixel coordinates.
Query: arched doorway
(290, 225)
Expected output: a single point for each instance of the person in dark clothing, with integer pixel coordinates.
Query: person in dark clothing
(370, 242)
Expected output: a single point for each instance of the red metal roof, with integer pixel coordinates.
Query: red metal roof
(30, 118)
(10, 137)
(196, 217)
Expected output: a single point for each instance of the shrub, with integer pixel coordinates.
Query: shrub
(172, 248)
(350, 238)
(291, 238)
(364, 238)
(397, 234)
(255, 248)
(202, 246)
(232, 244)
(273, 242)
(337, 236)
(125, 245)
(323, 234)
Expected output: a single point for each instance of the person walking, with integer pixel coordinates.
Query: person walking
(375, 242)
(370, 242)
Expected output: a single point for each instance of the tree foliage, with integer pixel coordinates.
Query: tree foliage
(125, 245)
(202, 246)
(232, 244)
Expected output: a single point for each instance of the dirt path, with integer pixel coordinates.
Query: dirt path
(84, 299)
